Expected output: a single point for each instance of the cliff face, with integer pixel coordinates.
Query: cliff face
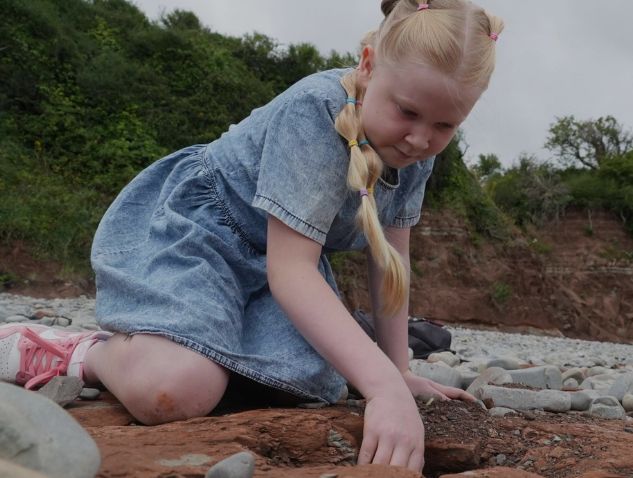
(573, 277)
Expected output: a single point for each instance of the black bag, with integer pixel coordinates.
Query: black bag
(425, 336)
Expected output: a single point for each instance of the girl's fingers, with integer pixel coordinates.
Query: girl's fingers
(383, 454)
(401, 456)
(416, 461)
(367, 449)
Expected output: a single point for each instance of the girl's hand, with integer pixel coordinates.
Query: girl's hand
(393, 432)
(424, 388)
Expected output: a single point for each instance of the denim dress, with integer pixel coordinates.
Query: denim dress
(181, 252)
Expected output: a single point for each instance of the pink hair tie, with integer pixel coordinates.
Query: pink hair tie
(363, 192)
(494, 36)
(423, 6)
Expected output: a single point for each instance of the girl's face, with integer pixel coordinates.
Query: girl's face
(410, 112)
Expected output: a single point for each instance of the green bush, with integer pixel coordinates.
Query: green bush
(452, 185)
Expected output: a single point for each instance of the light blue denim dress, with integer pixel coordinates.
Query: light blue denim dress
(181, 252)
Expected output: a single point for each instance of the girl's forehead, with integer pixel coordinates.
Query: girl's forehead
(418, 84)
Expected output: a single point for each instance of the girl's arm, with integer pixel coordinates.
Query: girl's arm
(392, 332)
(393, 432)
(319, 315)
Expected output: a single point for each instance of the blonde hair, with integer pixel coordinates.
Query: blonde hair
(455, 37)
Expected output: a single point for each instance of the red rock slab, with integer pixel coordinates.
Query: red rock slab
(295, 442)
(496, 472)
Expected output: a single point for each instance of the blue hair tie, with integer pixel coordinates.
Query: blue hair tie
(363, 142)
(350, 100)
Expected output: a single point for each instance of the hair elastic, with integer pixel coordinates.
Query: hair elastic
(352, 142)
(363, 142)
(423, 6)
(363, 192)
(350, 100)
(494, 36)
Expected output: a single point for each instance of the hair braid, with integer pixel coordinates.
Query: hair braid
(365, 168)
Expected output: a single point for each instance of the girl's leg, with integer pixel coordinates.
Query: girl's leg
(157, 380)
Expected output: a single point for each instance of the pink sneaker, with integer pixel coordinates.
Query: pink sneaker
(31, 355)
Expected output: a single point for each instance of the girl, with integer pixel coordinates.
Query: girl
(210, 264)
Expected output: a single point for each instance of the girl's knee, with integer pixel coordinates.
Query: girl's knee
(165, 381)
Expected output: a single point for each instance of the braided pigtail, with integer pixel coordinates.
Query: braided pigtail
(365, 167)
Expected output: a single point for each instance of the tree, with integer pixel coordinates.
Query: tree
(589, 142)
(531, 193)
(488, 166)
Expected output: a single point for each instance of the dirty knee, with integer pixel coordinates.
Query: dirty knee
(165, 405)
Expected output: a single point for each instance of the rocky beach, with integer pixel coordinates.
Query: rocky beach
(549, 406)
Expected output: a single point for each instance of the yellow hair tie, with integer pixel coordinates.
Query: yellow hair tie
(352, 143)
(370, 190)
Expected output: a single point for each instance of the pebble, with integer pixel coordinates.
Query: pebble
(490, 376)
(622, 385)
(436, 372)
(522, 399)
(627, 402)
(548, 376)
(62, 390)
(89, 393)
(239, 465)
(40, 435)
(606, 407)
(11, 470)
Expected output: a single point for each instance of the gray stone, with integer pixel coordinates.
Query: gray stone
(599, 370)
(16, 318)
(89, 393)
(38, 434)
(627, 402)
(581, 400)
(449, 358)
(11, 470)
(577, 373)
(490, 376)
(240, 465)
(606, 407)
(62, 390)
(600, 382)
(623, 384)
(500, 411)
(506, 363)
(570, 383)
(468, 377)
(520, 399)
(436, 372)
(545, 377)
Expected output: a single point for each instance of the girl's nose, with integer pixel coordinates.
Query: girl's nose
(419, 138)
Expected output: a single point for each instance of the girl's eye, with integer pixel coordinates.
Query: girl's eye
(407, 112)
(445, 126)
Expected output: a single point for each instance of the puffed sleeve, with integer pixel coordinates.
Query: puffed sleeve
(303, 169)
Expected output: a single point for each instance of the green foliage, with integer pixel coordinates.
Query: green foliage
(529, 192)
(453, 185)
(500, 293)
(540, 247)
(610, 187)
(91, 92)
(487, 166)
(588, 143)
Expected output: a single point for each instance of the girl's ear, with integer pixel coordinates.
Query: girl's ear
(366, 66)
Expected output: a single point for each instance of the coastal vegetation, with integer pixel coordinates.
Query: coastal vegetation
(91, 92)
